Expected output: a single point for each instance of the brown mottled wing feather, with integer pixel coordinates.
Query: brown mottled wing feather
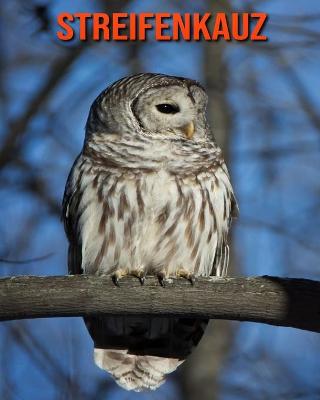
(71, 200)
(221, 260)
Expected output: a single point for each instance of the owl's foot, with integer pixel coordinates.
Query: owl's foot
(140, 274)
(162, 278)
(120, 273)
(117, 275)
(183, 273)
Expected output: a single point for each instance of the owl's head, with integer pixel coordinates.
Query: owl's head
(154, 105)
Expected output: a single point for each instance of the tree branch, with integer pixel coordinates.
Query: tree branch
(270, 300)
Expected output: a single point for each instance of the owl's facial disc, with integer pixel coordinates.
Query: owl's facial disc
(170, 111)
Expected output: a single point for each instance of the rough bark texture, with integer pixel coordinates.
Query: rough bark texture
(270, 300)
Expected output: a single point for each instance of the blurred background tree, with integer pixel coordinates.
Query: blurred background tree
(264, 110)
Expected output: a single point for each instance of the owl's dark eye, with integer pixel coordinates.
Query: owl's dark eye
(168, 108)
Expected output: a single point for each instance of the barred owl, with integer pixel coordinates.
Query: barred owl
(149, 194)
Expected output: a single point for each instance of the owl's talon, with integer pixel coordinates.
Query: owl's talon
(140, 274)
(182, 273)
(142, 280)
(115, 280)
(119, 274)
(162, 278)
(162, 281)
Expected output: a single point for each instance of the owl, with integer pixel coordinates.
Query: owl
(149, 194)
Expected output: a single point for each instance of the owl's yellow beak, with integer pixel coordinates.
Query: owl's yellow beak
(188, 130)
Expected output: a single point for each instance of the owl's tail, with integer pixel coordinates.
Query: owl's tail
(135, 372)
(138, 351)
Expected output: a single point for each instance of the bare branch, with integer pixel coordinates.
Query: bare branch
(269, 300)
(17, 128)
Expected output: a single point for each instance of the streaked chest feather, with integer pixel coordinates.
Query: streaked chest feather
(153, 221)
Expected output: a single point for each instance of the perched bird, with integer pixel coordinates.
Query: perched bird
(149, 194)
